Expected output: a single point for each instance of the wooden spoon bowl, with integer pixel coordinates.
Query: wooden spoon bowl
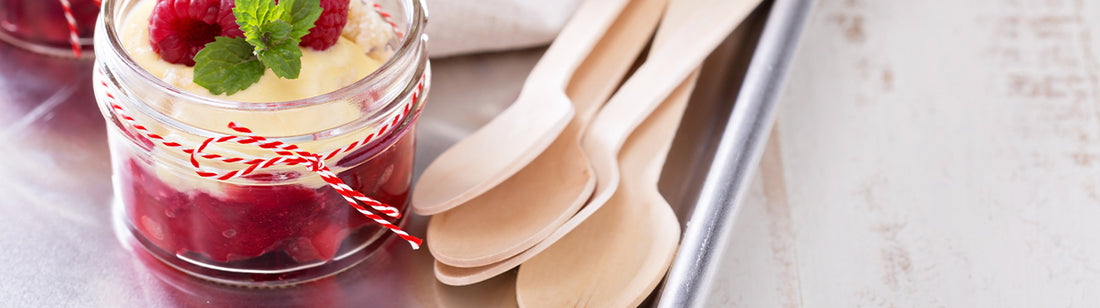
(698, 27)
(527, 207)
(616, 257)
(521, 132)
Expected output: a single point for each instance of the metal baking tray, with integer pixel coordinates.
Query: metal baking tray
(59, 248)
(721, 140)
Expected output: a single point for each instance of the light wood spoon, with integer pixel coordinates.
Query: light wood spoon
(705, 24)
(523, 130)
(617, 256)
(527, 207)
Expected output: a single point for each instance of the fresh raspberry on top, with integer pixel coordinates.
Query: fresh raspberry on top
(178, 29)
(326, 31)
(227, 20)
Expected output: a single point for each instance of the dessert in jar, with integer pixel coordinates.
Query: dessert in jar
(258, 143)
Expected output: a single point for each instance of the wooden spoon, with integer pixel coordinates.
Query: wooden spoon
(523, 130)
(705, 24)
(616, 257)
(527, 207)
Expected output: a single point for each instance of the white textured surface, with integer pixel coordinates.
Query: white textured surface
(934, 153)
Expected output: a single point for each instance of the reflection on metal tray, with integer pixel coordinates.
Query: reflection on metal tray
(720, 142)
(60, 249)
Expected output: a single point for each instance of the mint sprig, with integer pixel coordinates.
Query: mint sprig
(271, 36)
(226, 64)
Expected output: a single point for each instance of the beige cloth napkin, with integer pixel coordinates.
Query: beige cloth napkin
(468, 26)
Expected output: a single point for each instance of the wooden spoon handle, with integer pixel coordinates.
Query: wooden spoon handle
(574, 42)
(704, 25)
(607, 65)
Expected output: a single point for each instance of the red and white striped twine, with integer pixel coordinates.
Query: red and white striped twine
(74, 38)
(288, 154)
(389, 19)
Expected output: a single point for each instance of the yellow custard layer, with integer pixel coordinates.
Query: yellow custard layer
(360, 50)
(322, 71)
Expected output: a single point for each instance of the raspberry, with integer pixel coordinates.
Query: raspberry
(178, 29)
(326, 31)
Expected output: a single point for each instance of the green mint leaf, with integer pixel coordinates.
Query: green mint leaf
(227, 65)
(285, 59)
(269, 34)
(251, 14)
(302, 14)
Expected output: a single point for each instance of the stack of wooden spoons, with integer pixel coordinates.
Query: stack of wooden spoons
(539, 186)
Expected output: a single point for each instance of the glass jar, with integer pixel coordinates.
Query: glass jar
(276, 222)
(42, 26)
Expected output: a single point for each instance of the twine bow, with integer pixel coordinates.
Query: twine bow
(290, 154)
(287, 154)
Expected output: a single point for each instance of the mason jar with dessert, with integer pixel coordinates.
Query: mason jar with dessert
(262, 143)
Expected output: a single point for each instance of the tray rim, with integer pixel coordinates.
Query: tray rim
(740, 147)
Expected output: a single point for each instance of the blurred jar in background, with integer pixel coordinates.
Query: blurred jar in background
(41, 26)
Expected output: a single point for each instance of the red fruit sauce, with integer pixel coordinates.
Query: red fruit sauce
(265, 227)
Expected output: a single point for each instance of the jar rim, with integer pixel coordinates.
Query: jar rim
(417, 20)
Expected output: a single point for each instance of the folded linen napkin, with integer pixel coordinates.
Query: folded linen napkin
(464, 26)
